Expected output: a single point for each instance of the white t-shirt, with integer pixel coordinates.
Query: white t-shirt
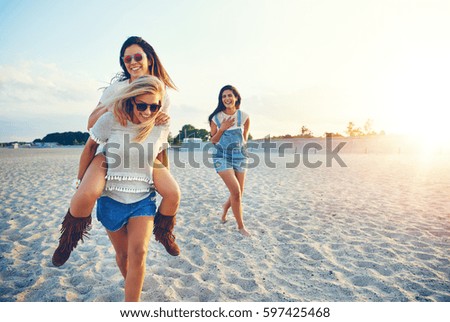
(222, 116)
(130, 164)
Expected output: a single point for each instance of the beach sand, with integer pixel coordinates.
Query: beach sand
(376, 230)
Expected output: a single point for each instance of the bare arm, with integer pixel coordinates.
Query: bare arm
(95, 115)
(87, 156)
(246, 130)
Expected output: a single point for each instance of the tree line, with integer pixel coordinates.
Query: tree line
(65, 138)
(351, 130)
(189, 131)
(80, 138)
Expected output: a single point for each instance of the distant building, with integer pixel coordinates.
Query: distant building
(192, 143)
(46, 144)
(192, 140)
(50, 145)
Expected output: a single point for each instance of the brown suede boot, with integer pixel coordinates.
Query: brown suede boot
(73, 229)
(162, 228)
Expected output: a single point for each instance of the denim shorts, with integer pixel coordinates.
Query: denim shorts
(114, 215)
(237, 163)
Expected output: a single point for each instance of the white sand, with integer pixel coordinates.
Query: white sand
(378, 230)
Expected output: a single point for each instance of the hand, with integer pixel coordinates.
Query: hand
(122, 117)
(227, 123)
(162, 118)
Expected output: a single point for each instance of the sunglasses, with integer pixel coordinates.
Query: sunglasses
(128, 58)
(142, 107)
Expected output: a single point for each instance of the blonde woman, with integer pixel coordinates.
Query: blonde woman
(127, 206)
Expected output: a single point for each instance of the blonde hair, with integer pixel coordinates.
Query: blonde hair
(122, 101)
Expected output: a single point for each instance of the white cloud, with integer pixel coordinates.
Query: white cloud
(37, 98)
(37, 88)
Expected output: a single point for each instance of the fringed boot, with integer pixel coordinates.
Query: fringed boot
(73, 229)
(162, 229)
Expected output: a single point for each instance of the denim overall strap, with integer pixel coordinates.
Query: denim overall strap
(239, 118)
(217, 121)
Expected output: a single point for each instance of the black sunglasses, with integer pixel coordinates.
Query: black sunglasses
(142, 107)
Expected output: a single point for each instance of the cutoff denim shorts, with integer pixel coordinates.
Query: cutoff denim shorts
(237, 163)
(114, 215)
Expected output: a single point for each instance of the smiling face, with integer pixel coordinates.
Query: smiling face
(144, 116)
(228, 99)
(136, 68)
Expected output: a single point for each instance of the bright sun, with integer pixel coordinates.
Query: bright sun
(430, 134)
(415, 98)
(430, 138)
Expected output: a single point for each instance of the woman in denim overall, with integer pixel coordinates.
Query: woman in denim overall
(229, 132)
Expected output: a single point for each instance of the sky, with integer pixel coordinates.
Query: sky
(314, 63)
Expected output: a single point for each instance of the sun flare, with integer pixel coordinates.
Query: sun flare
(428, 137)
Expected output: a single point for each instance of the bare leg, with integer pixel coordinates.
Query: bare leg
(120, 242)
(168, 188)
(136, 239)
(225, 207)
(234, 186)
(90, 189)
(165, 220)
(241, 179)
(78, 219)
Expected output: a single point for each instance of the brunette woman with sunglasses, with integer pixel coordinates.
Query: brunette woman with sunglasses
(137, 58)
(229, 132)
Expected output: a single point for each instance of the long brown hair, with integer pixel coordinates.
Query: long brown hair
(220, 106)
(155, 67)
